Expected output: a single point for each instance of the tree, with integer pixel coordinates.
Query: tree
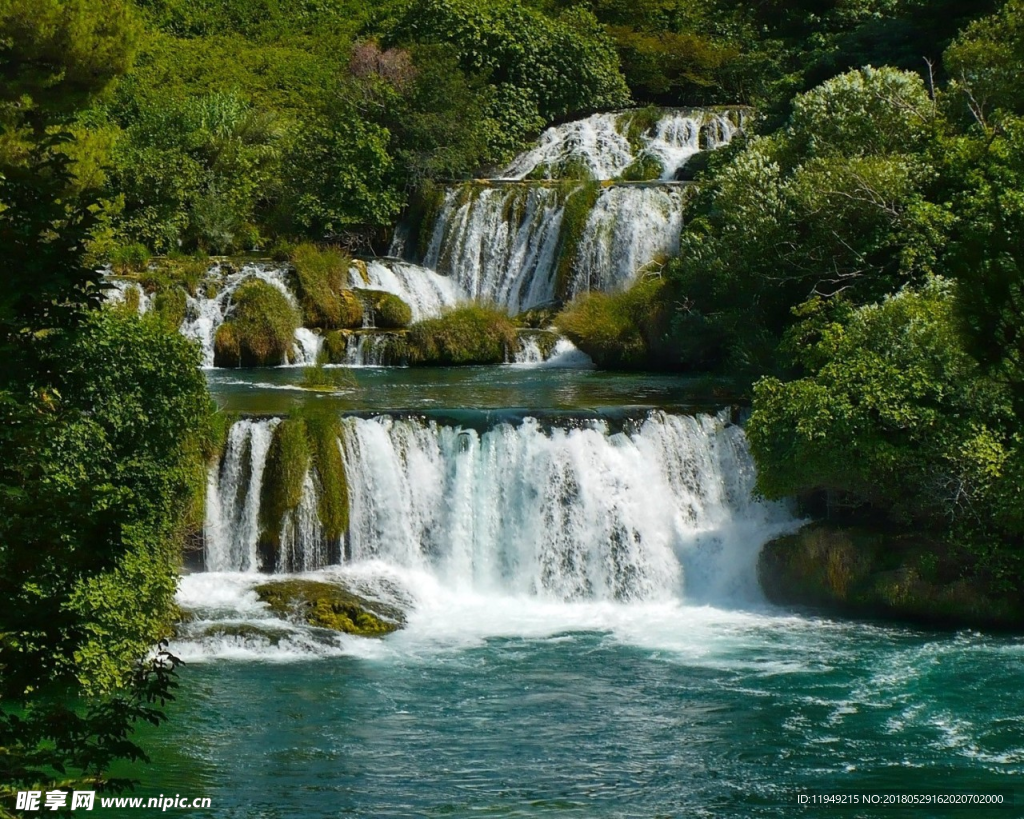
(892, 412)
(835, 203)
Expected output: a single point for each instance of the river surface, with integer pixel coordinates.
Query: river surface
(511, 695)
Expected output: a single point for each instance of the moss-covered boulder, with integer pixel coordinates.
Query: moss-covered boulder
(320, 284)
(259, 330)
(880, 574)
(388, 311)
(331, 606)
(471, 334)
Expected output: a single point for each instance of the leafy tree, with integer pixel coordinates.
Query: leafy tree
(892, 412)
(834, 203)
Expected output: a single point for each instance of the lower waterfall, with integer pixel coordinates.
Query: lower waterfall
(652, 508)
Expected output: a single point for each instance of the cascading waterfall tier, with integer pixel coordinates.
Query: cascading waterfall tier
(566, 508)
(426, 293)
(589, 208)
(645, 143)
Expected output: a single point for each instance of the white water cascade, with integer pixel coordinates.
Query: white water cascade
(561, 509)
(628, 229)
(426, 293)
(511, 240)
(500, 244)
(605, 145)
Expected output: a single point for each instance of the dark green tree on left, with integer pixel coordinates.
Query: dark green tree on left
(105, 423)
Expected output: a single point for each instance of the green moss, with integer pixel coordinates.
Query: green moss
(472, 334)
(579, 204)
(259, 330)
(326, 605)
(622, 330)
(325, 432)
(288, 461)
(644, 168)
(389, 311)
(169, 307)
(321, 275)
(640, 122)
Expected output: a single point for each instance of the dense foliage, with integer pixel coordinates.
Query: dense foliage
(105, 427)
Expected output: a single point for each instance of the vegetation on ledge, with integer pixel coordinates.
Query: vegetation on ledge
(623, 331)
(471, 334)
(259, 330)
(330, 606)
(321, 276)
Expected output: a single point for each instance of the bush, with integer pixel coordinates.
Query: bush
(893, 413)
(321, 276)
(169, 308)
(259, 330)
(288, 462)
(621, 330)
(129, 259)
(472, 334)
(389, 311)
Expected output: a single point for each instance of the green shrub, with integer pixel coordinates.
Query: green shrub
(169, 308)
(621, 330)
(389, 311)
(259, 330)
(472, 334)
(129, 259)
(321, 276)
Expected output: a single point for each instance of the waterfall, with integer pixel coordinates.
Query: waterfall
(563, 509)
(307, 347)
(426, 293)
(373, 350)
(604, 146)
(562, 355)
(505, 244)
(500, 244)
(233, 498)
(628, 229)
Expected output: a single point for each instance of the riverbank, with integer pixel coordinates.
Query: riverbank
(871, 573)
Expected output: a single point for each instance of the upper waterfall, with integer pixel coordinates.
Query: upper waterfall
(608, 146)
(588, 208)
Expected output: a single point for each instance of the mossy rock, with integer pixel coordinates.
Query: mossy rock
(388, 310)
(537, 318)
(872, 573)
(260, 329)
(471, 334)
(288, 461)
(320, 279)
(330, 606)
